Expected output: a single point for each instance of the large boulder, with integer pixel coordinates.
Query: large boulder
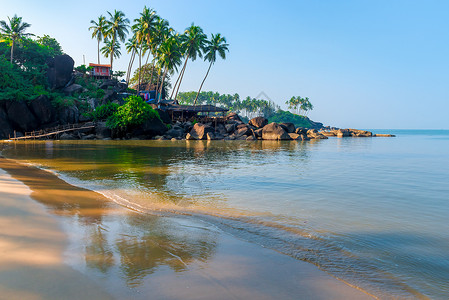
(60, 71)
(343, 133)
(360, 133)
(153, 127)
(42, 109)
(69, 115)
(175, 132)
(274, 131)
(102, 131)
(199, 131)
(21, 117)
(6, 129)
(244, 130)
(233, 117)
(258, 122)
(73, 89)
(165, 117)
(289, 127)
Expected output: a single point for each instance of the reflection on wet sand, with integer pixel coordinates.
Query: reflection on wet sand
(111, 236)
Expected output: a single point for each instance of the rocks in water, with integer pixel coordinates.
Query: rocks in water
(258, 122)
(360, 133)
(153, 127)
(314, 134)
(67, 136)
(199, 131)
(60, 70)
(189, 137)
(301, 130)
(258, 133)
(21, 117)
(42, 108)
(251, 138)
(289, 127)
(175, 132)
(383, 135)
(230, 128)
(210, 136)
(243, 130)
(274, 131)
(102, 131)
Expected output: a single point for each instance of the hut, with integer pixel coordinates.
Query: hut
(100, 71)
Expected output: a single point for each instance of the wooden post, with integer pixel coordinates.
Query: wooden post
(15, 136)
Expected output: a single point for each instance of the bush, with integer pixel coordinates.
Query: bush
(282, 116)
(100, 94)
(134, 112)
(104, 111)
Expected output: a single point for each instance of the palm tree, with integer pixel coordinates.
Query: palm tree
(99, 31)
(131, 46)
(14, 31)
(193, 40)
(111, 49)
(161, 32)
(169, 56)
(217, 44)
(116, 29)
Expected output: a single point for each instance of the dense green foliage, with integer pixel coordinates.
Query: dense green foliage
(13, 85)
(281, 116)
(248, 107)
(134, 112)
(104, 111)
(299, 104)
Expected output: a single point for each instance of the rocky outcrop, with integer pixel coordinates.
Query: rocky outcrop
(153, 127)
(6, 129)
(258, 122)
(60, 71)
(42, 108)
(199, 131)
(274, 131)
(289, 127)
(21, 117)
(69, 115)
(73, 89)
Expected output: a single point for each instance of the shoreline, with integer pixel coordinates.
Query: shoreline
(231, 268)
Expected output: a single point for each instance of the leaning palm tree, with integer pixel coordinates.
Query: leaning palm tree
(111, 49)
(217, 44)
(169, 57)
(161, 32)
(99, 31)
(14, 31)
(193, 41)
(132, 46)
(116, 28)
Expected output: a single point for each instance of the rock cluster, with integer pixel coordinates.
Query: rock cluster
(234, 129)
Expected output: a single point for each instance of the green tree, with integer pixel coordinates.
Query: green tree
(193, 42)
(111, 49)
(132, 46)
(14, 30)
(51, 43)
(116, 30)
(217, 44)
(169, 57)
(99, 31)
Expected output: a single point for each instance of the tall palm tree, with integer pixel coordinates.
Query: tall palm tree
(14, 31)
(111, 49)
(193, 41)
(169, 56)
(116, 28)
(161, 32)
(131, 46)
(99, 31)
(217, 44)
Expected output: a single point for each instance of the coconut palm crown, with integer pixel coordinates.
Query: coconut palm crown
(98, 31)
(116, 28)
(14, 31)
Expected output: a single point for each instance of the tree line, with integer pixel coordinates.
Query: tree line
(152, 37)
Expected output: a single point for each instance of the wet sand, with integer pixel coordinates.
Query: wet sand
(58, 241)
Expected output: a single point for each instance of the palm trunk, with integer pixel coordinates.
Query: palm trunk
(98, 51)
(151, 76)
(130, 65)
(157, 83)
(140, 68)
(12, 50)
(181, 74)
(201, 86)
(163, 79)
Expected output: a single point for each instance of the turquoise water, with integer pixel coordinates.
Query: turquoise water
(371, 211)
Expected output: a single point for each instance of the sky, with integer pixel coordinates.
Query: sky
(363, 64)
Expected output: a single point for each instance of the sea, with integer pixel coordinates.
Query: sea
(373, 212)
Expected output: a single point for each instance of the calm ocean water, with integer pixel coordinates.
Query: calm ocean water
(371, 211)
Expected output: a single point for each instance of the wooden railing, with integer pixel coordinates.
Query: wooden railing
(46, 133)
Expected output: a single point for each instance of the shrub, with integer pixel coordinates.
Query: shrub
(100, 94)
(104, 111)
(282, 116)
(134, 112)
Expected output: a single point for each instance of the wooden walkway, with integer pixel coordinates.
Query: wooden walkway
(49, 132)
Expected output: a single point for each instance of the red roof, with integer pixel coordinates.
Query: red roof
(98, 65)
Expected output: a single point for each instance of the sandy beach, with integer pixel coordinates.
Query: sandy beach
(58, 241)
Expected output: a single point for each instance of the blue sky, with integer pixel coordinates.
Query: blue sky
(363, 64)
